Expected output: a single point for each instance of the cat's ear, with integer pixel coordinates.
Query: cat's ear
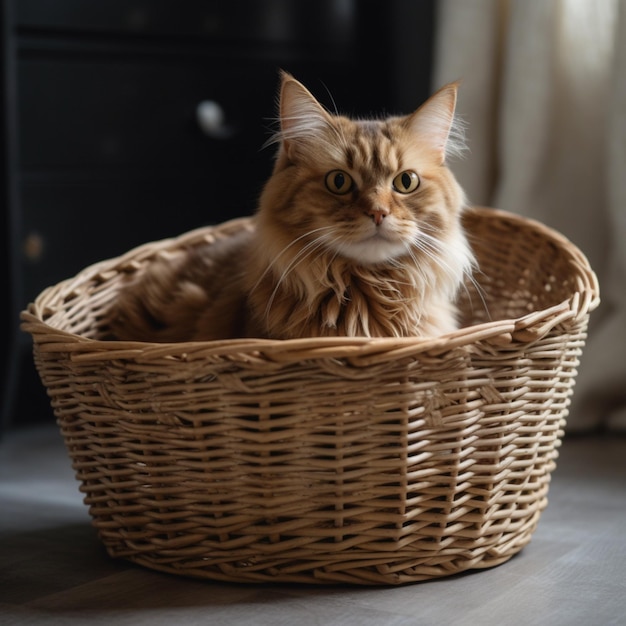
(302, 117)
(434, 124)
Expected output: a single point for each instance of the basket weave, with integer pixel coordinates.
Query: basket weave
(379, 461)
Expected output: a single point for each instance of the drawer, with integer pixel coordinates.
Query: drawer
(77, 113)
(71, 224)
(324, 22)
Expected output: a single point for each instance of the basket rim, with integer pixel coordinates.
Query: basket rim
(529, 327)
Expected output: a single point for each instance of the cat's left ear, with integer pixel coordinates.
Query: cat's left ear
(434, 124)
(302, 117)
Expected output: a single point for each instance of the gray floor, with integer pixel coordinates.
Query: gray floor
(54, 571)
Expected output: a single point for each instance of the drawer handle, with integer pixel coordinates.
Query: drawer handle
(212, 120)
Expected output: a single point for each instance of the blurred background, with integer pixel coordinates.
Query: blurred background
(126, 121)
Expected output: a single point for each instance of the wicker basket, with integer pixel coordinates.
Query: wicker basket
(379, 461)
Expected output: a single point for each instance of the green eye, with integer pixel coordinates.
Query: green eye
(406, 182)
(339, 182)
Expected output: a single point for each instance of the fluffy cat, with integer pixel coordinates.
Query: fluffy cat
(357, 233)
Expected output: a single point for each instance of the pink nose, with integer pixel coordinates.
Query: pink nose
(378, 215)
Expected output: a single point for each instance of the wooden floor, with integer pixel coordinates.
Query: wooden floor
(54, 571)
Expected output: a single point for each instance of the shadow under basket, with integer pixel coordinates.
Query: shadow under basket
(335, 460)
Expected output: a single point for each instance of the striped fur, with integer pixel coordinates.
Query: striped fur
(369, 262)
(324, 266)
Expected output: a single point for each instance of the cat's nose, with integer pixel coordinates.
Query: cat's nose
(378, 215)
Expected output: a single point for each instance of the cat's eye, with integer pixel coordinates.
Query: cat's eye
(339, 182)
(406, 182)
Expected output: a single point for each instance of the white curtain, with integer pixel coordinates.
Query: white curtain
(544, 96)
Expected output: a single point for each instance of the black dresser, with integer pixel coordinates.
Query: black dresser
(126, 121)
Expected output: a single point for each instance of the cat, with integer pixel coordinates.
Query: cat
(357, 233)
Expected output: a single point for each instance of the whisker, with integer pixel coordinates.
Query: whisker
(304, 253)
(434, 248)
(433, 253)
(330, 95)
(429, 245)
(479, 291)
(275, 260)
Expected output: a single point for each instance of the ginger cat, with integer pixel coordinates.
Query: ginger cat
(357, 233)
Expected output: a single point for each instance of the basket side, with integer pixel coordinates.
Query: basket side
(369, 462)
(315, 472)
(525, 270)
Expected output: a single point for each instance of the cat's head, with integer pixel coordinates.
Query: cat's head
(371, 191)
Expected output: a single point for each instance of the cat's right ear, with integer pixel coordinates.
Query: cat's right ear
(302, 117)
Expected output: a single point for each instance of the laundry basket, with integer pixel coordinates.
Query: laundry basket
(328, 460)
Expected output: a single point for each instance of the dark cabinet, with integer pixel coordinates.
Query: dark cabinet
(103, 149)
(114, 155)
